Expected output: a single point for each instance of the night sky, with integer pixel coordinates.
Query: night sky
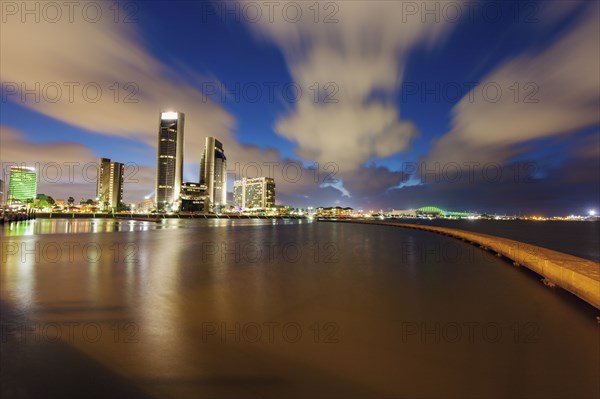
(489, 107)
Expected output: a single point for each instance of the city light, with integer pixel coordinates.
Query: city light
(168, 116)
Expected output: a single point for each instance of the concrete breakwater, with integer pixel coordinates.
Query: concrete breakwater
(580, 277)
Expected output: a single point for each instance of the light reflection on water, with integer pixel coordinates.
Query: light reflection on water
(101, 225)
(74, 226)
(356, 292)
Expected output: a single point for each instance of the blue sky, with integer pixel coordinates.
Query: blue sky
(403, 78)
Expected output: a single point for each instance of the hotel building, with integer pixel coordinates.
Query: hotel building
(109, 184)
(258, 193)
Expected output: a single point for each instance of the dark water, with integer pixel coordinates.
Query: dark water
(576, 238)
(282, 309)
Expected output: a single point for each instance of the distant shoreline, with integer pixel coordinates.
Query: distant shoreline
(151, 217)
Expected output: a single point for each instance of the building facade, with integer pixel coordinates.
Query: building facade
(146, 205)
(169, 167)
(335, 211)
(194, 198)
(257, 193)
(2, 190)
(406, 213)
(22, 185)
(109, 183)
(213, 172)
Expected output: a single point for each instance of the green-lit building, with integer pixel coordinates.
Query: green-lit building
(22, 185)
(2, 192)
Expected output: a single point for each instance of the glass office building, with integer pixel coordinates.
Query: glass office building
(169, 168)
(22, 185)
(213, 172)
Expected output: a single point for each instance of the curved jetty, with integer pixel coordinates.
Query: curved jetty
(579, 276)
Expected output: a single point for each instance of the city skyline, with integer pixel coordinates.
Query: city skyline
(300, 199)
(520, 176)
(426, 122)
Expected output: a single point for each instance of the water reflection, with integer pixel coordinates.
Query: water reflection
(576, 238)
(210, 317)
(75, 226)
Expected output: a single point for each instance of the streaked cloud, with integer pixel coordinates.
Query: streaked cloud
(66, 168)
(14, 148)
(102, 54)
(558, 93)
(361, 55)
(82, 56)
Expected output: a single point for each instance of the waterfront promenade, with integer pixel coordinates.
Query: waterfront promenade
(7, 216)
(580, 277)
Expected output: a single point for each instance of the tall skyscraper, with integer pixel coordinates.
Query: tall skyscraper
(169, 167)
(109, 184)
(22, 185)
(258, 193)
(213, 172)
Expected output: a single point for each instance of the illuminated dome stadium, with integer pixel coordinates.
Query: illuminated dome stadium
(434, 210)
(431, 210)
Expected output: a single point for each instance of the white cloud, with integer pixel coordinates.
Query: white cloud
(564, 84)
(363, 54)
(66, 168)
(103, 53)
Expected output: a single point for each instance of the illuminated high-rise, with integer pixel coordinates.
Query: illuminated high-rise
(213, 172)
(169, 167)
(109, 183)
(22, 185)
(258, 193)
